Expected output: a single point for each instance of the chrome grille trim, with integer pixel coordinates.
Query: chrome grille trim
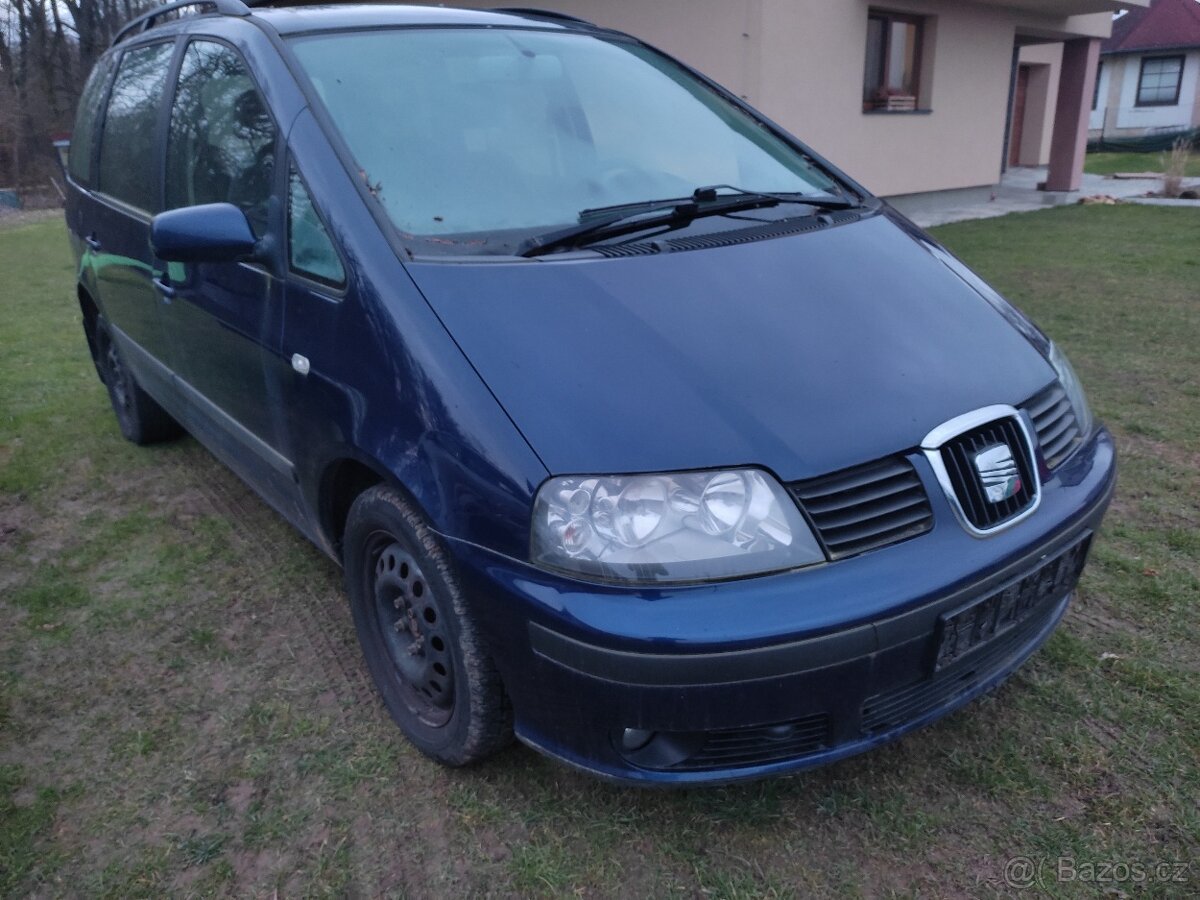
(975, 523)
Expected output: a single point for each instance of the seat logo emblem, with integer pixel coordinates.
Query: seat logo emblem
(998, 472)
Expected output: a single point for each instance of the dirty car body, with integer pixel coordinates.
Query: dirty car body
(726, 468)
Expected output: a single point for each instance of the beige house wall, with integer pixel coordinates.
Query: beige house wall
(967, 57)
(801, 62)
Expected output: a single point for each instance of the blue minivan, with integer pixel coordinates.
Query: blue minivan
(640, 430)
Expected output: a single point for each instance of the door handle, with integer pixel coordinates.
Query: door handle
(92, 241)
(164, 288)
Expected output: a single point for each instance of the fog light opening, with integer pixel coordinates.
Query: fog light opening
(779, 732)
(635, 738)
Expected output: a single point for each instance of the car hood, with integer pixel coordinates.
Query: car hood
(803, 354)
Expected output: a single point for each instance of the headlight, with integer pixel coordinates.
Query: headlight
(691, 526)
(1070, 383)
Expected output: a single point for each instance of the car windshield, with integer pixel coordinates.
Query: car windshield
(476, 139)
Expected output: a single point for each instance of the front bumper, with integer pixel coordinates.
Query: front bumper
(774, 674)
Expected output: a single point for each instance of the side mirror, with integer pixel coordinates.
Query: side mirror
(214, 232)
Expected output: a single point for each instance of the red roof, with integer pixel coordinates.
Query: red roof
(1164, 25)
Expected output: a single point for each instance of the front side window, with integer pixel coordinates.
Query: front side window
(310, 250)
(79, 163)
(893, 61)
(221, 145)
(1160, 80)
(501, 133)
(128, 158)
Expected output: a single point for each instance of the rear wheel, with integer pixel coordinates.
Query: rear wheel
(417, 634)
(139, 416)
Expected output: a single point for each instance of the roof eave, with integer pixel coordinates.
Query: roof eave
(1128, 51)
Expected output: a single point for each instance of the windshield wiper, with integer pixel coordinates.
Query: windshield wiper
(607, 222)
(820, 201)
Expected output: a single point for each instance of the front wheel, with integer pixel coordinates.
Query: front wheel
(417, 634)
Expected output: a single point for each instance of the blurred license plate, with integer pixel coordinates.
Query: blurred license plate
(971, 626)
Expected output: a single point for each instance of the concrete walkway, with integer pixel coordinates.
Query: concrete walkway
(1017, 192)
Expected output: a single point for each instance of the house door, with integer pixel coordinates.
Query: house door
(1018, 116)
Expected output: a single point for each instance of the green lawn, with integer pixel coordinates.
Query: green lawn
(182, 710)
(1111, 163)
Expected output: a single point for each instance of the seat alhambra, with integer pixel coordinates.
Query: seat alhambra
(639, 430)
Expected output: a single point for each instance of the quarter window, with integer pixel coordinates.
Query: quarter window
(221, 145)
(79, 164)
(892, 72)
(128, 162)
(1160, 80)
(310, 250)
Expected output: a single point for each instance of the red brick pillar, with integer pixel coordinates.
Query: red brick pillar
(1076, 86)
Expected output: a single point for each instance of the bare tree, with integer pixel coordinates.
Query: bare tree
(47, 49)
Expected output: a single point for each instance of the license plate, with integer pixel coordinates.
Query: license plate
(975, 624)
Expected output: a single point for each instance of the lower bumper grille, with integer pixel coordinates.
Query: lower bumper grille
(759, 746)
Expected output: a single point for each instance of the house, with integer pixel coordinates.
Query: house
(907, 96)
(1149, 79)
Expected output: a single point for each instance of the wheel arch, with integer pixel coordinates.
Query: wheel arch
(342, 481)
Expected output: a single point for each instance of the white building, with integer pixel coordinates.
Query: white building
(1149, 78)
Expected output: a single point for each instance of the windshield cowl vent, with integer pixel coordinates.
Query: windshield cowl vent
(767, 230)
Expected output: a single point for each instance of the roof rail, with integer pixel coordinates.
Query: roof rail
(253, 4)
(146, 21)
(541, 14)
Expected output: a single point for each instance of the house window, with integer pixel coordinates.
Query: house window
(1096, 90)
(1159, 81)
(890, 79)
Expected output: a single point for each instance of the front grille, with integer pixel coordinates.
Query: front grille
(866, 507)
(1054, 421)
(958, 456)
(1040, 589)
(759, 746)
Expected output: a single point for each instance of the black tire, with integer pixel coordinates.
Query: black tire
(139, 416)
(417, 633)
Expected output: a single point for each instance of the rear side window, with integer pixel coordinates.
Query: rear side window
(80, 162)
(221, 147)
(128, 157)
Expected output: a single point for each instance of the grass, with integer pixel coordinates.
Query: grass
(182, 710)
(1112, 163)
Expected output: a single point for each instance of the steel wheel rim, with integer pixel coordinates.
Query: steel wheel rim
(411, 630)
(120, 389)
